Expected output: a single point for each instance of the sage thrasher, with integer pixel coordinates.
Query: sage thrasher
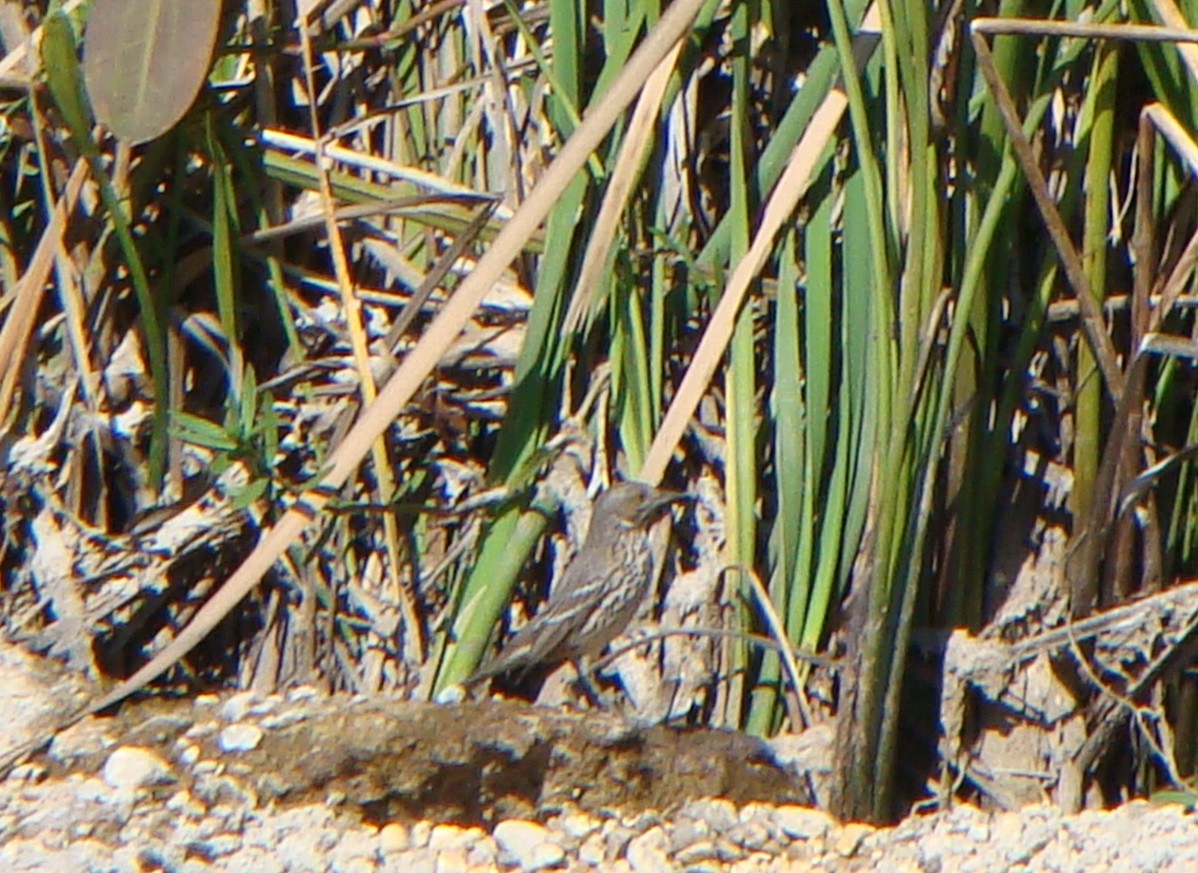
(601, 589)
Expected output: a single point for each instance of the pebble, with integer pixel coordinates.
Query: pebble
(728, 851)
(393, 838)
(527, 844)
(751, 835)
(316, 838)
(237, 706)
(421, 831)
(591, 852)
(221, 845)
(354, 848)
(697, 853)
(131, 767)
(453, 837)
(647, 852)
(189, 753)
(687, 832)
(453, 859)
(803, 823)
(484, 853)
(211, 818)
(301, 692)
(240, 738)
(413, 861)
(578, 825)
(850, 838)
(616, 838)
(91, 790)
(183, 804)
(718, 813)
(541, 857)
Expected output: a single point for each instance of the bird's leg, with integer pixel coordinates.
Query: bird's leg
(583, 668)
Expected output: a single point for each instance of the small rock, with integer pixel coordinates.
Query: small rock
(849, 840)
(483, 853)
(697, 853)
(240, 738)
(801, 822)
(185, 805)
(131, 767)
(642, 821)
(302, 692)
(354, 852)
(266, 705)
(578, 825)
(647, 852)
(78, 741)
(236, 707)
(756, 811)
(591, 851)
(412, 861)
(514, 835)
(201, 730)
(220, 845)
(282, 719)
(27, 772)
(208, 827)
(452, 837)
(687, 832)
(421, 831)
(728, 851)
(527, 844)
(452, 860)
(719, 813)
(92, 790)
(616, 838)
(979, 832)
(752, 835)
(205, 768)
(451, 695)
(543, 856)
(393, 838)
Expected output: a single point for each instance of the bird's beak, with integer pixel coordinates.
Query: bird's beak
(661, 499)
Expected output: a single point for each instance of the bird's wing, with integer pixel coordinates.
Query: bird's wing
(537, 641)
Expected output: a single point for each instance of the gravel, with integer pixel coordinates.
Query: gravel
(203, 786)
(75, 822)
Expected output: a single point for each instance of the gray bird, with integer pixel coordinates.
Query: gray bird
(600, 590)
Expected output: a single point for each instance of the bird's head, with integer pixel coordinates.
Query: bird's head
(634, 504)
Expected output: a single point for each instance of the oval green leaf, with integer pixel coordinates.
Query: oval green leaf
(145, 62)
